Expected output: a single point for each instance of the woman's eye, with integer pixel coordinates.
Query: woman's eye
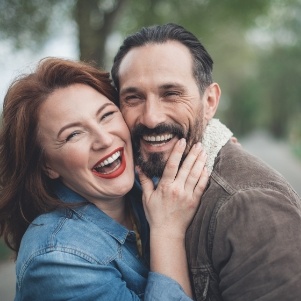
(105, 116)
(72, 135)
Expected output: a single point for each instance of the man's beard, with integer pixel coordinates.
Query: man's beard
(154, 164)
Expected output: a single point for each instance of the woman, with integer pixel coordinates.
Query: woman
(66, 207)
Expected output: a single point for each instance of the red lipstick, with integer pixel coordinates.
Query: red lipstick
(116, 173)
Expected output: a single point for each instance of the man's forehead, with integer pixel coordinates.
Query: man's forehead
(165, 60)
(154, 52)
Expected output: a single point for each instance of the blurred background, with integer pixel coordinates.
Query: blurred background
(255, 45)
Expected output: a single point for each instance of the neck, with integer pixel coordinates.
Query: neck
(117, 210)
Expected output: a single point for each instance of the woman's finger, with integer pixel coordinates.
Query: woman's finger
(186, 168)
(196, 171)
(201, 185)
(173, 162)
(147, 184)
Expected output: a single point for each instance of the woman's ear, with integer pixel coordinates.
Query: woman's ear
(52, 174)
(212, 94)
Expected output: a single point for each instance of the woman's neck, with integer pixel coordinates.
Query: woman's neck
(117, 210)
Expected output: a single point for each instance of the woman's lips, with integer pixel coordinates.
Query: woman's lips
(111, 166)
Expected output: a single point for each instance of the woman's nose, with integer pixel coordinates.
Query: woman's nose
(102, 139)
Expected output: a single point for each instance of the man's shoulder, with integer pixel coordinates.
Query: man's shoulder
(236, 169)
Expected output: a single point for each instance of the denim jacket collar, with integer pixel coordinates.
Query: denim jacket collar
(91, 212)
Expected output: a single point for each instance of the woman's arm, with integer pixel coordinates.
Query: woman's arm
(170, 208)
(67, 275)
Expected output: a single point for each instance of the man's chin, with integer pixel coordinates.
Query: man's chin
(153, 166)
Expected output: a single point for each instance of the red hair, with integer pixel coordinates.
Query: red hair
(25, 188)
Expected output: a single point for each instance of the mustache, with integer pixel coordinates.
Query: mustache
(140, 130)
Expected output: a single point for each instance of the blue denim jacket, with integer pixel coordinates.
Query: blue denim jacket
(83, 254)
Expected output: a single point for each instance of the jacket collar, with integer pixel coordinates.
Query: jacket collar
(87, 210)
(215, 136)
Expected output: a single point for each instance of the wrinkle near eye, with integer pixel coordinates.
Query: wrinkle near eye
(60, 143)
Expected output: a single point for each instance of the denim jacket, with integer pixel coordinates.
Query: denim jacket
(244, 243)
(83, 254)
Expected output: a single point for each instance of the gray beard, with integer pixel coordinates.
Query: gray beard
(154, 165)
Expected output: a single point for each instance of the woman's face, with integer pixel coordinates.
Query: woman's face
(87, 143)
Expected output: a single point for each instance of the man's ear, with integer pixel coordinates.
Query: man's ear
(52, 174)
(212, 94)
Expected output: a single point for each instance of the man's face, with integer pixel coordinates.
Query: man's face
(160, 101)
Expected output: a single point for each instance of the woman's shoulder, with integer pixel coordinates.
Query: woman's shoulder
(67, 232)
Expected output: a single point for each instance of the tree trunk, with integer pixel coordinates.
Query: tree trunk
(94, 27)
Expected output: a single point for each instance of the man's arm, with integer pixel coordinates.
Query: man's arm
(257, 246)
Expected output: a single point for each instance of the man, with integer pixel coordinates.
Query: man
(245, 240)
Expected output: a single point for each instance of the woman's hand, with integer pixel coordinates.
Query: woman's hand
(171, 206)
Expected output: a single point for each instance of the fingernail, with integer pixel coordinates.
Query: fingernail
(204, 154)
(182, 142)
(198, 145)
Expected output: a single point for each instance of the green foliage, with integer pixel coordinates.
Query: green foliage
(202, 17)
(280, 85)
(295, 134)
(259, 81)
(241, 113)
(28, 23)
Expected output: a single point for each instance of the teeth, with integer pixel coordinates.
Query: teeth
(158, 138)
(110, 159)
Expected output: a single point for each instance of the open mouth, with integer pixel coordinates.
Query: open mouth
(111, 166)
(158, 140)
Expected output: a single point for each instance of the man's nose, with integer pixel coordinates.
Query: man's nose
(153, 113)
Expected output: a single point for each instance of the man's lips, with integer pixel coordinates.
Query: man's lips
(157, 140)
(111, 166)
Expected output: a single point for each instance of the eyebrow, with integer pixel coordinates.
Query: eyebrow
(128, 90)
(172, 86)
(162, 87)
(77, 123)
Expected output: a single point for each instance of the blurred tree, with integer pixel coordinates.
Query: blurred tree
(253, 90)
(280, 88)
(29, 22)
(95, 21)
(277, 79)
(263, 91)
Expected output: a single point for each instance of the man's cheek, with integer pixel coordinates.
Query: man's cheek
(127, 117)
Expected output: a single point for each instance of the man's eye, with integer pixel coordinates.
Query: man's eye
(131, 97)
(131, 100)
(171, 93)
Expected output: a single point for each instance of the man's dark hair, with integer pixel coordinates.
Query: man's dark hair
(158, 34)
